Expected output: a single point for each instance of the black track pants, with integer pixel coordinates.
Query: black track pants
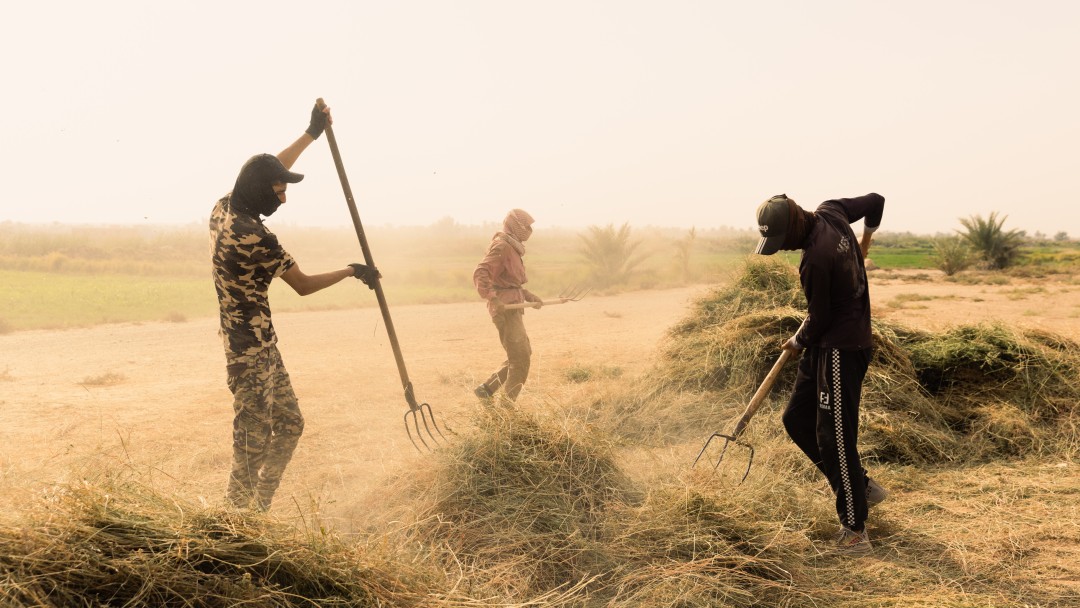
(822, 418)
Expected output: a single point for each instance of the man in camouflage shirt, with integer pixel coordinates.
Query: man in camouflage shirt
(246, 258)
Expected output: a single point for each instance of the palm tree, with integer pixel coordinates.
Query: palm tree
(610, 253)
(997, 247)
(683, 249)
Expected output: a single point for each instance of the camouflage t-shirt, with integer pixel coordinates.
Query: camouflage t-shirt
(246, 257)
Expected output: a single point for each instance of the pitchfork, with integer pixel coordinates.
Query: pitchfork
(419, 413)
(751, 409)
(570, 294)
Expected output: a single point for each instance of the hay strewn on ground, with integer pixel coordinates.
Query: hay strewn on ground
(538, 509)
(528, 511)
(520, 512)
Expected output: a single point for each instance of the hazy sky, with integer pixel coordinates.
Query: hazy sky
(669, 112)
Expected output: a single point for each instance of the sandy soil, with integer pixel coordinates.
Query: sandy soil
(924, 299)
(150, 399)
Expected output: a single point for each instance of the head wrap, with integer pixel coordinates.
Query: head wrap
(517, 223)
(800, 223)
(253, 192)
(516, 229)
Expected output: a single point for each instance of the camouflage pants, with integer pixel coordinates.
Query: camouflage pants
(515, 370)
(266, 427)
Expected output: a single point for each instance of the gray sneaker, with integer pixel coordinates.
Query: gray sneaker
(851, 542)
(875, 494)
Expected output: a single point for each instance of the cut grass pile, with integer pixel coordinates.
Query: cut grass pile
(530, 511)
(106, 544)
(969, 393)
(534, 508)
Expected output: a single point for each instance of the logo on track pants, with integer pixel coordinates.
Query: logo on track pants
(823, 401)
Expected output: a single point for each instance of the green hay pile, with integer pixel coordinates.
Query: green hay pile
(113, 545)
(736, 354)
(1014, 390)
(764, 283)
(735, 331)
(970, 393)
(533, 509)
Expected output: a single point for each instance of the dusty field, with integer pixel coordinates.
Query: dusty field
(151, 400)
(924, 299)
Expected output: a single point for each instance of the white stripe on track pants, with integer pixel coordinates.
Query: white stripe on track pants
(822, 418)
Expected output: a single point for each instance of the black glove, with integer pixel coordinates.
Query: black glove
(366, 274)
(318, 123)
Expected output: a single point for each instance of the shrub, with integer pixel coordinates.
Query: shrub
(951, 255)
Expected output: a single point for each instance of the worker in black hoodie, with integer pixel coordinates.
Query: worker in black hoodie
(822, 415)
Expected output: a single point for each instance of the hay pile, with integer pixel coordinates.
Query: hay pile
(125, 545)
(709, 546)
(970, 393)
(520, 501)
(733, 335)
(533, 509)
(1012, 391)
(523, 511)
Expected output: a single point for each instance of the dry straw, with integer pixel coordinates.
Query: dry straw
(970, 393)
(533, 508)
(106, 544)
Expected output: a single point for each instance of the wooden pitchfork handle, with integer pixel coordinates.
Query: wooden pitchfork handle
(534, 304)
(762, 392)
(423, 409)
(751, 409)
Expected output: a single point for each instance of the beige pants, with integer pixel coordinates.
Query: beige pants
(515, 370)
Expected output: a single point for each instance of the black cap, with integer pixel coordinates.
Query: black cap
(268, 166)
(772, 217)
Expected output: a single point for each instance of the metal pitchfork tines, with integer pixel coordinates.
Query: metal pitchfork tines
(419, 412)
(569, 294)
(751, 409)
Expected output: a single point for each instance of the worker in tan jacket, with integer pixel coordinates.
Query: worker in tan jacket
(499, 279)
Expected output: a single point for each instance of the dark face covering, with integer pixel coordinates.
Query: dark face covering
(800, 223)
(254, 193)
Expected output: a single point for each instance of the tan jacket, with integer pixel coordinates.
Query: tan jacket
(501, 275)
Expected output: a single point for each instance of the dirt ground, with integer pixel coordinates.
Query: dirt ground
(150, 399)
(924, 299)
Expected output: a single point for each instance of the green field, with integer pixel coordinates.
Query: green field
(73, 276)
